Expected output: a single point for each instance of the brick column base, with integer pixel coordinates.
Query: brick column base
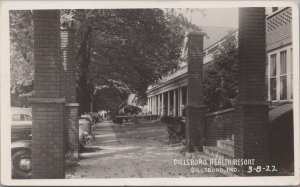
(251, 137)
(72, 129)
(47, 147)
(195, 127)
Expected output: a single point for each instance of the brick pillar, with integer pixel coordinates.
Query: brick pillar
(47, 105)
(251, 135)
(195, 110)
(68, 91)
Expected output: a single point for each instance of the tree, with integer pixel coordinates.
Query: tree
(130, 47)
(133, 47)
(21, 51)
(110, 99)
(220, 79)
(21, 55)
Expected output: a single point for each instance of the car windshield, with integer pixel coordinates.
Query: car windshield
(21, 117)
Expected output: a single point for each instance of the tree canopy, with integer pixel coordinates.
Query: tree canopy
(21, 51)
(127, 49)
(220, 79)
(119, 51)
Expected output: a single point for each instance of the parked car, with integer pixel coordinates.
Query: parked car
(88, 125)
(97, 117)
(88, 117)
(21, 129)
(21, 126)
(85, 135)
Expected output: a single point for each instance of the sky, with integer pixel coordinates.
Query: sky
(214, 17)
(216, 23)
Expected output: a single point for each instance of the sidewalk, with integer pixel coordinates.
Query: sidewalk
(100, 160)
(133, 151)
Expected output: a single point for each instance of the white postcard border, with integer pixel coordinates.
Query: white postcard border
(5, 6)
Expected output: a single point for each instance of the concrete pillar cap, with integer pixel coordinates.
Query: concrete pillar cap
(196, 33)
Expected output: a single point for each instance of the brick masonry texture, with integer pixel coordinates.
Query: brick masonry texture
(46, 54)
(195, 111)
(282, 141)
(68, 89)
(71, 130)
(47, 131)
(68, 66)
(220, 126)
(251, 134)
(195, 69)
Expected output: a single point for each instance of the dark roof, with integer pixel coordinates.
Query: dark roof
(278, 111)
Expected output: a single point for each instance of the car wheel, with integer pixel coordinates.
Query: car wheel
(21, 164)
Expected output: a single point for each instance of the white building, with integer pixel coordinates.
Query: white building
(169, 95)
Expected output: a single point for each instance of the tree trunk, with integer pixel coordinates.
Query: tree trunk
(84, 90)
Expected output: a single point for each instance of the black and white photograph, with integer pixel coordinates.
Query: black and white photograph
(150, 91)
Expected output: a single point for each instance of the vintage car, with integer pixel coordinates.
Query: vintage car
(21, 126)
(21, 129)
(85, 134)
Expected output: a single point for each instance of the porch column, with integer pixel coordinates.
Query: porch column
(152, 98)
(169, 99)
(47, 145)
(179, 101)
(148, 104)
(159, 104)
(149, 107)
(174, 103)
(152, 105)
(187, 93)
(162, 104)
(251, 134)
(156, 106)
(195, 110)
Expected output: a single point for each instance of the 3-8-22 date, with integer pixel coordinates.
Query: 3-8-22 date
(259, 169)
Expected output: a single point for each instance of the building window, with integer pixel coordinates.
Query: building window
(281, 74)
(273, 77)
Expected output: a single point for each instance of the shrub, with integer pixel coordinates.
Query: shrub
(117, 120)
(135, 120)
(175, 128)
(167, 119)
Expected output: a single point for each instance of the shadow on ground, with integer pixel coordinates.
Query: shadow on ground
(132, 151)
